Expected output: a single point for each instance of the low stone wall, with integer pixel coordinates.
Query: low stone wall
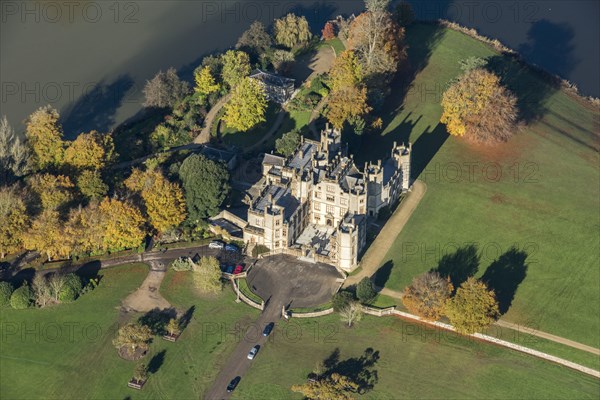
(313, 314)
(245, 299)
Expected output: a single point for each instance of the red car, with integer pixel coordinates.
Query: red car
(238, 269)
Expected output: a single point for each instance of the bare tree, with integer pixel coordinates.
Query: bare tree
(41, 289)
(14, 154)
(165, 89)
(56, 282)
(351, 313)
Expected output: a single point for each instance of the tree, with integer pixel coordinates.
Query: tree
(255, 40)
(207, 275)
(292, 31)
(13, 215)
(90, 184)
(44, 136)
(473, 307)
(427, 295)
(165, 90)
(55, 191)
(404, 14)
(247, 106)
(85, 229)
(91, 150)
(206, 185)
(346, 71)
(205, 82)
(328, 31)
(6, 290)
(173, 327)
(21, 298)
(14, 154)
(477, 107)
(133, 337)
(377, 40)
(341, 299)
(122, 223)
(71, 288)
(41, 289)
(288, 143)
(345, 104)
(334, 387)
(236, 67)
(182, 264)
(351, 313)
(163, 200)
(364, 291)
(46, 235)
(56, 282)
(282, 60)
(140, 373)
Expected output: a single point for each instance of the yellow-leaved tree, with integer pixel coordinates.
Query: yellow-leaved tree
(91, 150)
(122, 223)
(45, 137)
(346, 103)
(85, 229)
(247, 106)
(46, 235)
(54, 190)
(346, 71)
(478, 107)
(473, 307)
(205, 82)
(13, 215)
(163, 200)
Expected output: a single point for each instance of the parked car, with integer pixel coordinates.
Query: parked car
(232, 385)
(229, 269)
(215, 244)
(231, 247)
(253, 352)
(238, 269)
(268, 329)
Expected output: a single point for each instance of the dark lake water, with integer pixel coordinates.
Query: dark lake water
(91, 59)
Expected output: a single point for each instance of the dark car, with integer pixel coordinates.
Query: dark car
(232, 385)
(229, 269)
(231, 247)
(238, 269)
(268, 329)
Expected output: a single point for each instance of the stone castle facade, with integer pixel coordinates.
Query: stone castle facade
(316, 202)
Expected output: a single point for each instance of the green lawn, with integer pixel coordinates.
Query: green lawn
(37, 363)
(337, 45)
(413, 364)
(540, 193)
(252, 136)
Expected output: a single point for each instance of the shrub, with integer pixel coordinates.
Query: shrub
(71, 289)
(364, 291)
(6, 290)
(259, 249)
(182, 264)
(21, 298)
(318, 86)
(342, 299)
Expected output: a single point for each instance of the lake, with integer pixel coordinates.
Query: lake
(91, 59)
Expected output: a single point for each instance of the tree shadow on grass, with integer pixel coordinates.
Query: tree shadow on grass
(505, 275)
(358, 369)
(186, 318)
(156, 362)
(157, 320)
(381, 276)
(460, 265)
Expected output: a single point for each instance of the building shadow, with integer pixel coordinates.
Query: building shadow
(426, 147)
(156, 362)
(505, 275)
(460, 265)
(96, 108)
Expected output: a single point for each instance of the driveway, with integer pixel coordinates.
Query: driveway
(282, 280)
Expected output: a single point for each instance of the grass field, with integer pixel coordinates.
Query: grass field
(36, 362)
(413, 364)
(538, 192)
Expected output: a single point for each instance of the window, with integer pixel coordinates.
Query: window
(317, 195)
(277, 222)
(330, 198)
(330, 189)
(317, 206)
(343, 202)
(330, 209)
(342, 212)
(277, 233)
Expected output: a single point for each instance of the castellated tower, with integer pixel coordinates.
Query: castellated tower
(331, 141)
(401, 155)
(374, 177)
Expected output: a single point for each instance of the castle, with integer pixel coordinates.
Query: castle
(315, 203)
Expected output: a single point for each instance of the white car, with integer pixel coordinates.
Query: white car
(215, 245)
(253, 352)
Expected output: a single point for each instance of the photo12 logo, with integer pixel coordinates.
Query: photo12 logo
(491, 172)
(52, 12)
(50, 332)
(289, 331)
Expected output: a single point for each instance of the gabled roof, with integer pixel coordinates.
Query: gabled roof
(271, 159)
